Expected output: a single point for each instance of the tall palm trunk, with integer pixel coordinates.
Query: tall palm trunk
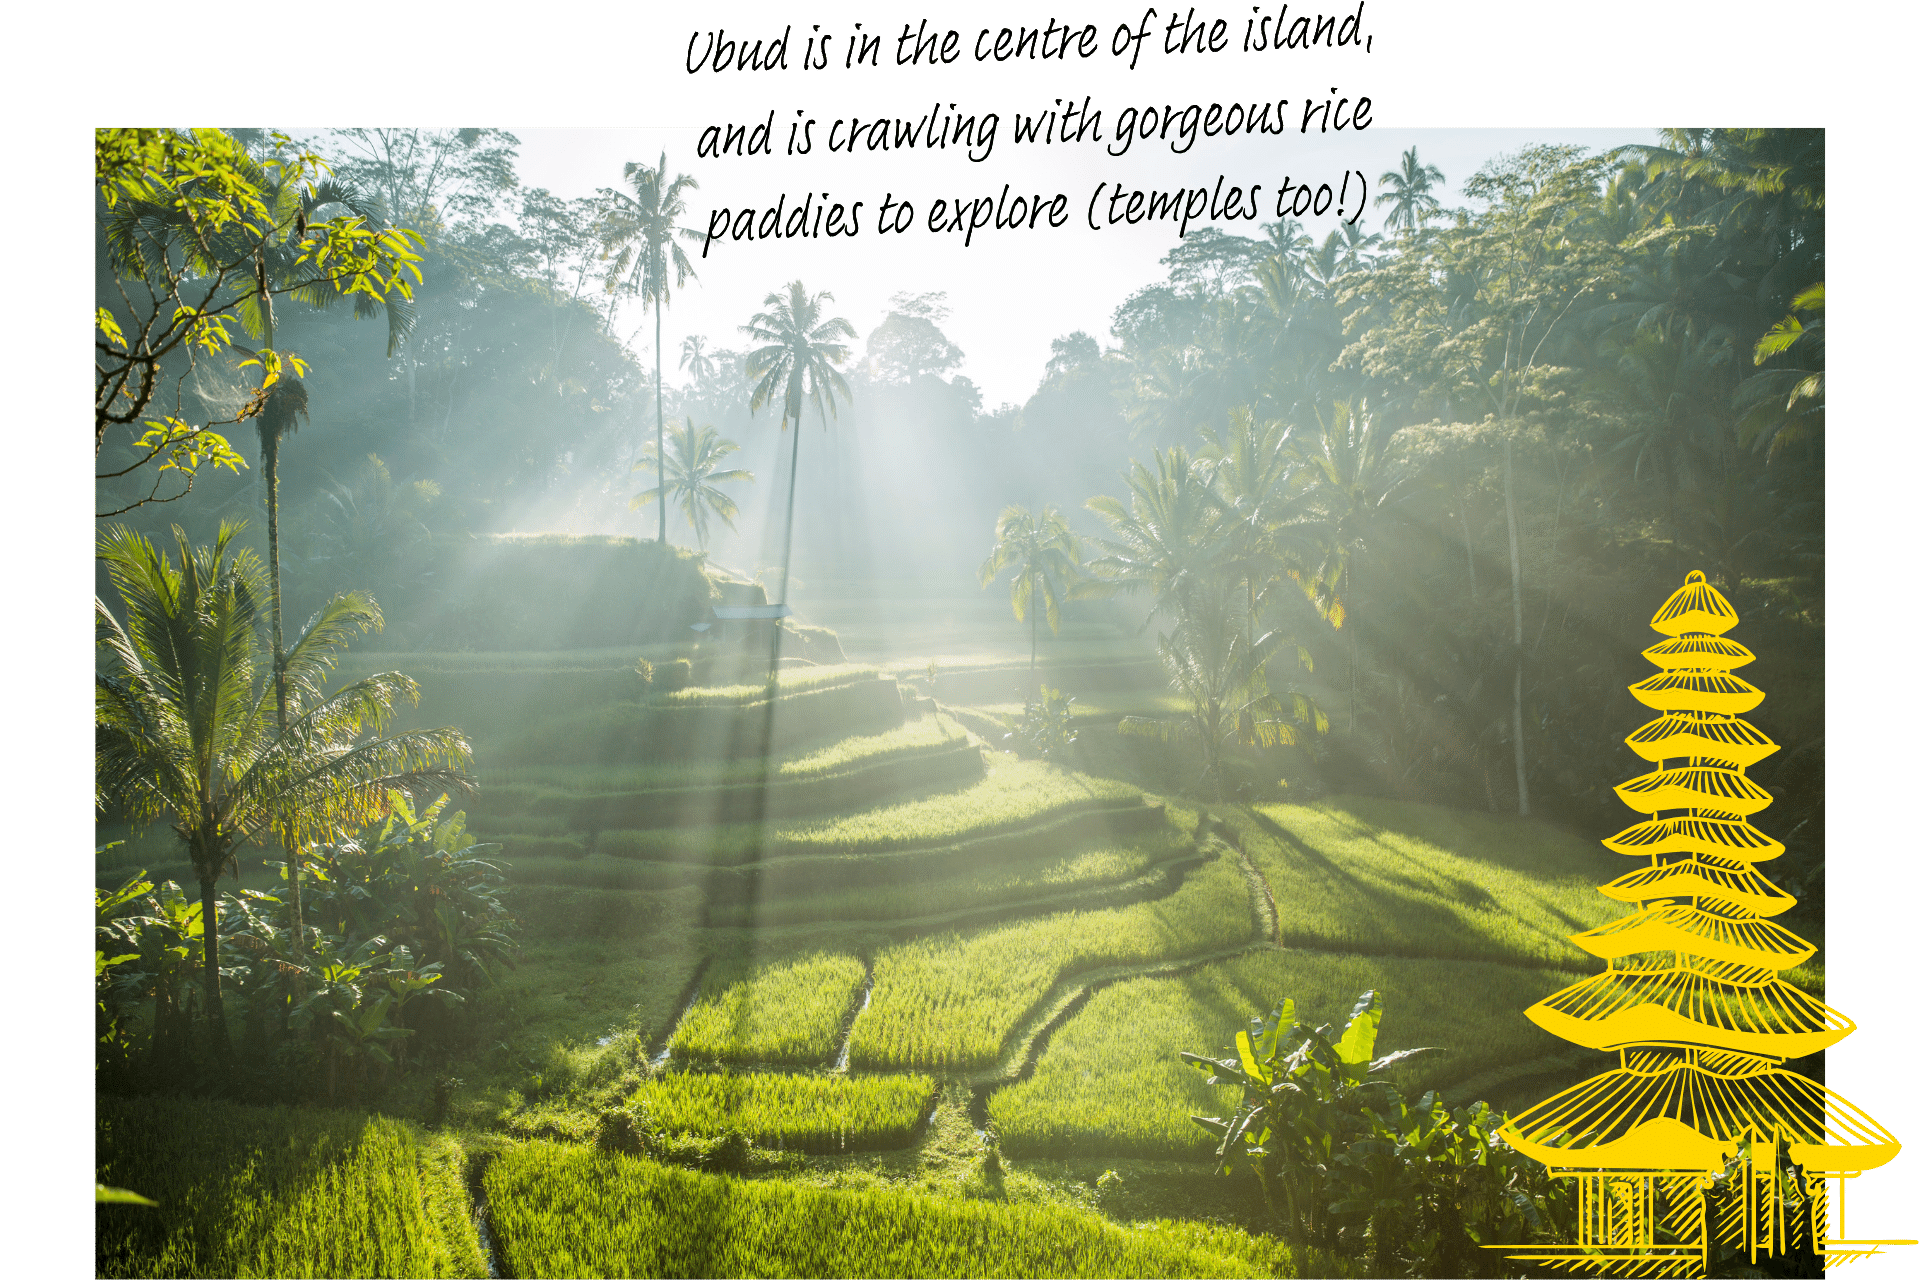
(1353, 655)
(1033, 650)
(210, 972)
(1519, 638)
(271, 427)
(660, 420)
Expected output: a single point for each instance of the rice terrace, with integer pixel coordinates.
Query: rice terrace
(574, 802)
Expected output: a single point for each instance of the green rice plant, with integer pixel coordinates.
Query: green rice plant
(615, 727)
(513, 787)
(801, 1113)
(949, 1002)
(954, 764)
(514, 845)
(788, 1010)
(1014, 794)
(274, 1191)
(883, 896)
(572, 1211)
(769, 868)
(1111, 1082)
(924, 732)
(790, 680)
(559, 912)
(1387, 877)
(598, 873)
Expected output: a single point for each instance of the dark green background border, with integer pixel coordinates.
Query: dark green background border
(619, 64)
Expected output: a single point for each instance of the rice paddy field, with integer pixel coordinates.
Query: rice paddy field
(1388, 878)
(278, 1191)
(784, 1012)
(921, 933)
(1111, 1082)
(825, 1113)
(923, 892)
(949, 1001)
(569, 1211)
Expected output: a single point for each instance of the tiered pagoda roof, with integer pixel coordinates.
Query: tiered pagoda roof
(1692, 997)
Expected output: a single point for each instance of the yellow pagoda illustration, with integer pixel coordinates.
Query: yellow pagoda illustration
(1694, 1003)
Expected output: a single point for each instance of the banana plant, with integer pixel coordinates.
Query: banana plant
(419, 880)
(402, 982)
(1304, 1092)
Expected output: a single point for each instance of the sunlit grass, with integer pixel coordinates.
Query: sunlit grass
(950, 1001)
(275, 1191)
(1014, 794)
(1385, 877)
(1099, 705)
(807, 1113)
(785, 1011)
(569, 1210)
(514, 789)
(1111, 1081)
(1105, 864)
(789, 680)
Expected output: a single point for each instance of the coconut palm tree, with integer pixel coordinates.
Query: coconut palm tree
(693, 471)
(695, 360)
(1408, 191)
(1354, 492)
(184, 727)
(1166, 539)
(1225, 678)
(795, 363)
(640, 230)
(1046, 556)
(1256, 471)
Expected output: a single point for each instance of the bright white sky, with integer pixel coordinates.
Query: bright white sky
(1012, 292)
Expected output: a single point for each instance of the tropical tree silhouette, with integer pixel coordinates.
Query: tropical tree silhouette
(693, 472)
(695, 360)
(1045, 555)
(282, 250)
(1165, 538)
(1408, 191)
(641, 229)
(1225, 680)
(1353, 492)
(795, 362)
(183, 727)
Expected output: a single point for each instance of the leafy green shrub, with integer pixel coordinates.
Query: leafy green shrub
(1108, 1083)
(1047, 725)
(1347, 1164)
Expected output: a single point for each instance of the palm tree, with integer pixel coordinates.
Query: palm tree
(1409, 190)
(1353, 491)
(183, 728)
(1166, 541)
(640, 230)
(693, 469)
(1255, 471)
(1224, 676)
(695, 360)
(1048, 559)
(796, 364)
